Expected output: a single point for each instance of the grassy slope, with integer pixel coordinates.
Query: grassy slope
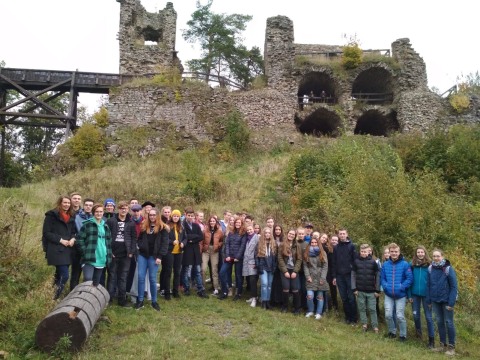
(191, 327)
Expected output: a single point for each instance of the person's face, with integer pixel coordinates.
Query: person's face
(200, 217)
(314, 242)
(250, 230)
(212, 222)
(278, 231)
(308, 230)
(270, 223)
(363, 253)
(133, 202)
(109, 208)
(87, 207)
(291, 235)
(394, 253)
(334, 240)
(370, 251)
(176, 218)
(420, 254)
(238, 224)
(190, 217)
(123, 210)
(231, 221)
(167, 213)
(324, 239)
(227, 217)
(256, 229)
(152, 216)
(300, 234)
(342, 235)
(268, 234)
(136, 213)
(66, 204)
(147, 208)
(98, 215)
(386, 254)
(248, 222)
(437, 256)
(76, 201)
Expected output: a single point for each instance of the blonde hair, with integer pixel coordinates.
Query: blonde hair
(262, 243)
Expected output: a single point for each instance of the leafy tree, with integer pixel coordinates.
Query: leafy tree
(222, 52)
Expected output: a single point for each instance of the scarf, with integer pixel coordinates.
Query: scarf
(314, 251)
(439, 264)
(64, 216)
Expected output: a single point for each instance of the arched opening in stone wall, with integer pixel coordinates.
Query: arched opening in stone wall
(317, 87)
(372, 122)
(373, 86)
(322, 122)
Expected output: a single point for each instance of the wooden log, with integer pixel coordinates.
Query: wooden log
(75, 316)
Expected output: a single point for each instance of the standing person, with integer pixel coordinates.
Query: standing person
(123, 248)
(366, 286)
(289, 263)
(176, 235)
(266, 262)
(276, 296)
(95, 244)
(300, 240)
(308, 233)
(227, 214)
(167, 259)
(257, 229)
(137, 219)
(234, 249)
(58, 240)
(82, 215)
(152, 245)
(249, 269)
(418, 291)
(396, 279)
(109, 208)
(334, 240)
(442, 292)
(192, 258)
(76, 199)
(315, 266)
(199, 218)
(343, 257)
(331, 301)
(270, 222)
(211, 245)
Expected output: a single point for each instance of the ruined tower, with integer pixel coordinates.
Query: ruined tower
(147, 40)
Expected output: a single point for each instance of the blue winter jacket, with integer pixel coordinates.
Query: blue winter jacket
(235, 245)
(442, 288)
(419, 285)
(396, 278)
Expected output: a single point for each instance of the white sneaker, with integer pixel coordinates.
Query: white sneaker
(208, 280)
(215, 292)
(253, 303)
(318, 316)
(230, 292)
(309, 314)
(249, 300)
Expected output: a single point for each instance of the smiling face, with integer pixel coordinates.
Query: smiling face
(256, 229)
(98, 214)
(66, 204)
(212, 222)
(267, 234)
(152, 216)
(437, 256)
(175, 218)
(76, 201)
(270, 223)
(291, 235)
(314, 242)
(420, 254)
(250, 230)
(324, 239)
(394, 253)
(238, 224)
(334, 240)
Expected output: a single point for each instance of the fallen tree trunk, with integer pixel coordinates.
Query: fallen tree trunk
(75, 316)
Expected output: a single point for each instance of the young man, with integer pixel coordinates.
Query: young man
(343, 257)
(366, 286)
(308, 233)
(192, 258)
(227, 214)
(122, 252)
(396, 278)
(109, 208)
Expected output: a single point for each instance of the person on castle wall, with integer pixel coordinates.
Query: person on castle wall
(311, 97)
(323, 96)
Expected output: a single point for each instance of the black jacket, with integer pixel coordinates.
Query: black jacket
(55, 229)
(160, 246)
(191, 239)
(122, 249)
(365, 275)
(343, 257)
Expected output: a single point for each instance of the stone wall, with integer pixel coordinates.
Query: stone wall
(137, 26)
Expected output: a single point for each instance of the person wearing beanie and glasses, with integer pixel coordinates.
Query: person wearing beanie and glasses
(109, 207)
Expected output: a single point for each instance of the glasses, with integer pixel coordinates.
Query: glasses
(152, 214)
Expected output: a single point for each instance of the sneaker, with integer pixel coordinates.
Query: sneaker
(162, 293)
(364, 328)
(253, 303)
(222, 296)
(156, 306)
(237, 297)
(208, 280)
(402, 338)
(168, 297)
(176, 295)
(375, 330)
(230, 292)
(202, 294)
(450, 351)
(440, 348)
(309, 314)
(138, 305)
(391, 335)
(249, 300)
(318, 316)
(215, 292)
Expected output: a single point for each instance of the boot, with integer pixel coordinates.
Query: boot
(264, 305)
(284, 302)
(441, 348)
(267, 305)
(418, 334)
(431, 342)
(296, 303)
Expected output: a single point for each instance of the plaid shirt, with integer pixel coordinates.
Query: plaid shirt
(87, 241)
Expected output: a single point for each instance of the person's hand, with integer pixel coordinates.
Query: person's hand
(287, 275)
(309, 279)
(71, 242)
(294, 275)
(334, 282)
(130, 255)
(322, 282)
(181, 245)
(377, 295)
(355, 293)
(227, 259)
(410, 300)
(175, 242)
(449, 308)
(235, 260)
(65, 243)
(158, 261)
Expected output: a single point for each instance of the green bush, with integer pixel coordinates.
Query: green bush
(237, 132)
(460, 102)
(352, 56)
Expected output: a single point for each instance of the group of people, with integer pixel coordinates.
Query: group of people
(127, 241)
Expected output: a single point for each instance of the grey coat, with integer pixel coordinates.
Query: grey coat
(317, 270)
(249, 267)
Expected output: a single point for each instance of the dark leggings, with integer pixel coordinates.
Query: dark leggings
(252, 280)
(289, 284)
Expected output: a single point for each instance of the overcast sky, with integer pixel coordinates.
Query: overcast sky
(73, 34)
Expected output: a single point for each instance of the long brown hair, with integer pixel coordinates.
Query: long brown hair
(159, 224)
(58, 205)
(426, 260)
(262, 244)
(242, 229)
(322, 256)
(285, 248)
(328, 244)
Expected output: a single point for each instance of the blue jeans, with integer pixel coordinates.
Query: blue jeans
(196, 271)
(226, 272)
(418, 301)
(61, 278)
(320, 295)
(93, 274)
(143, 264)
(344, 286)
(399, 306)
(266, 279)
(445, 323)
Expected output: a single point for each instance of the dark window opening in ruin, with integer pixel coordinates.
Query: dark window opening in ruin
(374, 123)
(151, 36)
(322, 122)
(373, 86)
(317, 87)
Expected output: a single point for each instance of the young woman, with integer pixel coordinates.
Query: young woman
(58, 239)
(442, 292)
(249, 269)
(418, 291)
(234, 249)
(211, 245)
(315, 266)
(176, 249)
(331, 300)
(152, 245)
(289, 263)
(95, 245)
(276, 297)
(257, 229)
(266, 261)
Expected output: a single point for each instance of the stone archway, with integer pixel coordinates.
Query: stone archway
(322, 122)
(373, 86)
(321, 85)
(373, 122)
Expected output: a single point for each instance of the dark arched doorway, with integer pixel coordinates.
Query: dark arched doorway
(317, 87)
(374, 123)
(373, 86)
(322, 122)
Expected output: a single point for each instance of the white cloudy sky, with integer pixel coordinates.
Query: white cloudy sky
(74, 34)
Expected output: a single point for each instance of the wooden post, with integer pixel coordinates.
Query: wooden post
(75, 316)
(3, 125)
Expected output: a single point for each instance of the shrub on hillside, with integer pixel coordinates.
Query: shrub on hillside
(352, 56)
(237, 132)
(460, 102)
